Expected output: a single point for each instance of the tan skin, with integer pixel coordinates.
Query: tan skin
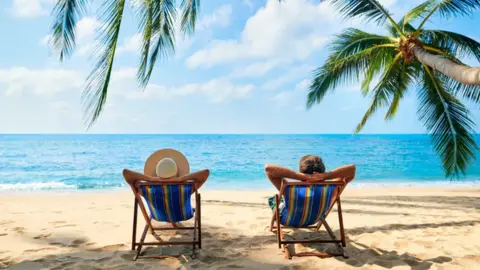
(277, 173)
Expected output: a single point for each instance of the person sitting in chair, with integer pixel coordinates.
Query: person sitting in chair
(166, 165)
(311, 169)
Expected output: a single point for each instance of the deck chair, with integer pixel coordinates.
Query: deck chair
(168, 202)
(307, 206)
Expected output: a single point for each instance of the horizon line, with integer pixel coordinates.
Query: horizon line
(86, 133)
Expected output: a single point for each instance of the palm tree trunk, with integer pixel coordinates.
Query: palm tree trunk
(460, 73)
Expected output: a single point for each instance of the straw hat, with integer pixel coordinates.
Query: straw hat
(166, 163)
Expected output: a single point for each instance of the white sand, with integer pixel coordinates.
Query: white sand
(408, 228)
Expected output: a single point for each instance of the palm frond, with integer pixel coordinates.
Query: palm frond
(455, 44)
(451, 8)
(385, 90)
(370, 10)
(455, 8)
(417, 12)
(469, 92)
(353, 40)
(405, 77)
(336, 72)
(448, 122)
(160, 39)
(96, 91)
(189, 15)
(66, 13)
(407, 28)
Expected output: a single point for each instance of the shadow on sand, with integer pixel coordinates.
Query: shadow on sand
(235, 250)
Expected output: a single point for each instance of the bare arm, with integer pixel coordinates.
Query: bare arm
(276, 174)
(346, 173)
(199, 177)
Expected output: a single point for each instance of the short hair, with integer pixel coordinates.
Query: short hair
(310, 164)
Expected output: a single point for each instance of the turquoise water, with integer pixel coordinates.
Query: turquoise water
(82, 162)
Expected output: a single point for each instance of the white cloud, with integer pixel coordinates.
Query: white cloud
(220, 16)
(131, 44)
(257, 69)
(287, 30)
(283, 98)
(291, 74)
(303, 84)
(28, 8)
(86, 28)
(46, 40)
(286, 97)
(20, 80)
(216, 91)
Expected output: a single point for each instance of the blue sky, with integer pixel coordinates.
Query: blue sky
(244, 71)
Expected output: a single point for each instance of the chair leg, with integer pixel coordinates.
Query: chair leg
(277, 218)
(340, 222)
(272, 222)
(139, 248)
(199, 222)
(195, 224)
(332, 235)
(134, 229)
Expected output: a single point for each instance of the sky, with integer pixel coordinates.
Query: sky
(245, 70)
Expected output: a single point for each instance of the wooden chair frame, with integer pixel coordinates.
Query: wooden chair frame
(197, 227)
(280, 238)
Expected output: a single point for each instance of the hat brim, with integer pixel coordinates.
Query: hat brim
(179, 158)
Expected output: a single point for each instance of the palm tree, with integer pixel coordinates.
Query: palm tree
(410, 57)
(156, 19)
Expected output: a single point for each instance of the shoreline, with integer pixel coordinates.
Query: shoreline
(270, 190)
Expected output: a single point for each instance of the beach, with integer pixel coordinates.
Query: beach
(394, 228)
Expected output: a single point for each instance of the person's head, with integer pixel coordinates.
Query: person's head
(310, 164)
(166, 163)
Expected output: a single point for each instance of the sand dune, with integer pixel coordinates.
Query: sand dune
(386, 228)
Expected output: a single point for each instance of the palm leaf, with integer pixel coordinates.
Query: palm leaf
(406, 77)
(448, 122)
(336, 72)
(454, 8)
(385, 90)
(96, 91)
(456, 44)
(163, 37)
(189, 15)
(470, 92)
(451, 8)
(417, 12)
(66, 13)
(367, 9)
(353, 40)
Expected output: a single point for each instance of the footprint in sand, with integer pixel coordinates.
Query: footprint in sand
(77, 242)
(37, 250)
(5, 222)
(109, 248)
(57, 222)
(66, 225)
(41, 236)
(20, 230)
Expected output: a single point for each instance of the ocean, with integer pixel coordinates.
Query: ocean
(92, 162)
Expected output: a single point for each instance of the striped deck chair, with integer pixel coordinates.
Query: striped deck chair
(167, 202)
(307, 206)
